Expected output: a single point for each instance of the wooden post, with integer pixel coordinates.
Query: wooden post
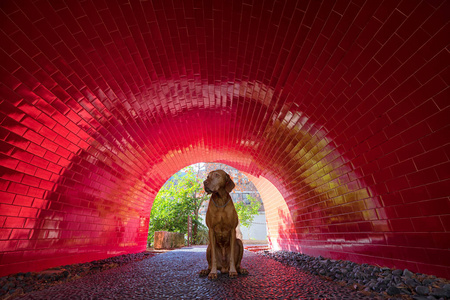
(189, 230)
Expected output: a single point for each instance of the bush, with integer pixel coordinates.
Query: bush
(181, 196)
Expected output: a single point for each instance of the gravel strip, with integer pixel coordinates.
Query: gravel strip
(174, 275)
(15, 285)
(380, 281)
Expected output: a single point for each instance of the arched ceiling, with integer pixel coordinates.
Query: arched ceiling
(340, 105)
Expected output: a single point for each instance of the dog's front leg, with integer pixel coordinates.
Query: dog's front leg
(212, 240)
(232, 273)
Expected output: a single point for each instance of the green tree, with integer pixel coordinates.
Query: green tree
(247, 212)
(181, 196)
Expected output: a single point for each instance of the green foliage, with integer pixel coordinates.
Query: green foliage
(246, 213)
(180, 197)
(202, 237)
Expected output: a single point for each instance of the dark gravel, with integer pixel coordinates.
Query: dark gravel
(174, 275)
(380, 281)
(18, 284)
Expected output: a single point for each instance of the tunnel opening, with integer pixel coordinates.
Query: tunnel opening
(183, 195)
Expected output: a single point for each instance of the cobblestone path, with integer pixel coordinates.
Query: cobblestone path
(174, 275)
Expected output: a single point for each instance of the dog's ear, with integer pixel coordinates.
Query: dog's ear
(229, 186)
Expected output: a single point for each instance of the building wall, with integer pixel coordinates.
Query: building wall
(257, 230)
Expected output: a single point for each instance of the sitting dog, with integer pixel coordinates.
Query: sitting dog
(224, 250)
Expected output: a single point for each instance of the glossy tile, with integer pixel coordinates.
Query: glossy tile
(337, 110)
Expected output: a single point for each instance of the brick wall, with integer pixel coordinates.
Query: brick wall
(342, 107)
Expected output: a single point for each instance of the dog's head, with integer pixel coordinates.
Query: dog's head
(218, 180)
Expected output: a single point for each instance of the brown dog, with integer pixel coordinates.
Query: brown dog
(224, 251)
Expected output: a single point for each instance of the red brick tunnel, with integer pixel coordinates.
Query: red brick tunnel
(338, 111)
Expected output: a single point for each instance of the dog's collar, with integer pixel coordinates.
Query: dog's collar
(220, 206)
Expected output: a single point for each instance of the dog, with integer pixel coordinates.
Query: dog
(224, 250)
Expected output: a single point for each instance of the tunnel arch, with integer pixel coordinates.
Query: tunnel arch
(342, 107)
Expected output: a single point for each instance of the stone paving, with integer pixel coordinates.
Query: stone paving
(174, 275)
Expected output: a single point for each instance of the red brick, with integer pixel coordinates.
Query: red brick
(429, 159)
(397, 184)
(428, 224)
(5, 233)
(403, 168)
(28, 212)
(6, 198)
(443, 171)
(49, 145)
(422, 177)
(14, 222)
(18, 188)
(438, 189)
(33, 136)
(436, 139)
(20, 234)
(36, 150)
(21, 200)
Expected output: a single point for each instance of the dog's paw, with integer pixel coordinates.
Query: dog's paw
(243, 271)
(204, 272)
(232, 274)
(212, 275)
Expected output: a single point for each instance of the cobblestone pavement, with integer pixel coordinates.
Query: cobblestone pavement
(174, 275)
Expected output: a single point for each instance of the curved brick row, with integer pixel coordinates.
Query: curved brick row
(338, 110)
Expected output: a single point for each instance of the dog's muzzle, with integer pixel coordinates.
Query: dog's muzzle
(207, 190)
